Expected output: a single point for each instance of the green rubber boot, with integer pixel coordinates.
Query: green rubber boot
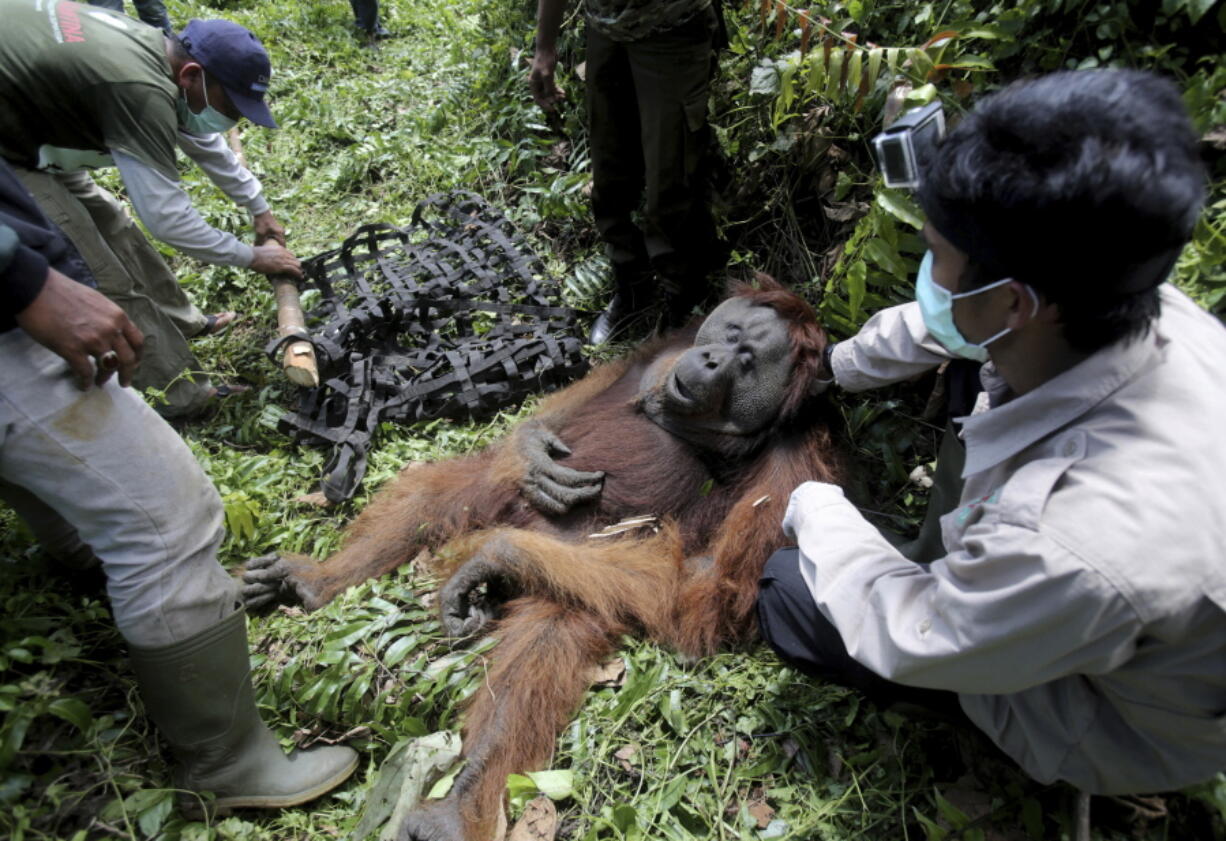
(198, 692)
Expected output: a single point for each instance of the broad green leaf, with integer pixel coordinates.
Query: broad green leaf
(150, 817)
(672, 791)
(403, 776)
(932, 832)
(817, 71)
(439, 790)
(764, 81)
(956, 817)
(398, 650)
(72, 710)
(834, 80)
(520, 789)
(856, 279)
(556, 785)
(625, 818)
(874, 65)
(899, 205)
(670, 709)
(1198, 8)
(921, 96)
(880, 252)
(921, 66)
(855, 65)
(970, 62)
(13, 734)
(986, 32)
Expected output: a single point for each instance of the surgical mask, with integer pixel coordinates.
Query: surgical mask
(208, 121)
(937, 306)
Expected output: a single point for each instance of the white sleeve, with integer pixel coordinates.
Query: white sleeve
(168, 214)
(892, 346)
(213, 155)
(1015, 611)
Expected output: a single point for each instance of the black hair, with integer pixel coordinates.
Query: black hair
(178, 51)
(1083, 184)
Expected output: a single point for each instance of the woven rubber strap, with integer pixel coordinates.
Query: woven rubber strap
(452, 316)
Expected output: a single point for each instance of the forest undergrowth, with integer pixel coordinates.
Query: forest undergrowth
(738, 746)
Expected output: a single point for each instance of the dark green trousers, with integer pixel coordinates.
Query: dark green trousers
(131, 273)
(651, 148)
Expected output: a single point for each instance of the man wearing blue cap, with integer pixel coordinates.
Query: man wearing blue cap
(81, 87)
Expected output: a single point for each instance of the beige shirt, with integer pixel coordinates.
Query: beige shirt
(1080, 612)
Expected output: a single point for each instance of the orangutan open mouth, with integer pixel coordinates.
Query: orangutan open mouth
(682, 392)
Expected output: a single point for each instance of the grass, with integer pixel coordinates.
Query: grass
(735, 747)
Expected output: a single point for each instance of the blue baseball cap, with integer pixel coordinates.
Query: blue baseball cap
(233, 56)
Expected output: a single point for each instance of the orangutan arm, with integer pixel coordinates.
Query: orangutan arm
(550, 487)
(715, 606)
(624, 581)
(425, 505)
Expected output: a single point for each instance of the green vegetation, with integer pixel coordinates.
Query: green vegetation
(737, 746)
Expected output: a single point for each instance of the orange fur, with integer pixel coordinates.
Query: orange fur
(691, 585)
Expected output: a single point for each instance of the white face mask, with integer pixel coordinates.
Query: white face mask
(937, 306)
(208, 121)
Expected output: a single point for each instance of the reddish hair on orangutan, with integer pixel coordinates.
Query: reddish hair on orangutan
(644, 499)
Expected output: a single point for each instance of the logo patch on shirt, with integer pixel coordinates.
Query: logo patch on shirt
(965, 512)
(67, 24)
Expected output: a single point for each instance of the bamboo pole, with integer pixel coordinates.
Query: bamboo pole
(298, 359)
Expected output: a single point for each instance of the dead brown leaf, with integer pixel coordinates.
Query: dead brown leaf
(317, 499)
(1215, 137)
(625, 754)
(762, 813)
(539, 823)
(423, 561)
(754, 802)
(609, 675)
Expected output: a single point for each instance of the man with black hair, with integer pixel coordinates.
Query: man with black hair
(81, 88)
(1074, 607)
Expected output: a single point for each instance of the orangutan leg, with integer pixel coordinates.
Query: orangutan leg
(539, 673)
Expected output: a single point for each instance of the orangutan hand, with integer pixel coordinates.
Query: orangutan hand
(552, 488)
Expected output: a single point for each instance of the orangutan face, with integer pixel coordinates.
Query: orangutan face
(734, 378)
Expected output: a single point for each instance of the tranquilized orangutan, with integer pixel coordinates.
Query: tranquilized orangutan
(702, 435)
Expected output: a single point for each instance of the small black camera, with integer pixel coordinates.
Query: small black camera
(904, 149)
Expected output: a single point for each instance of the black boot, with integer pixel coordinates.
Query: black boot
(684, 300)
(632, 299)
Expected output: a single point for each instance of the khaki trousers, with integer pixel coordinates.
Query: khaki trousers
(131, 273)
(99, 473)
